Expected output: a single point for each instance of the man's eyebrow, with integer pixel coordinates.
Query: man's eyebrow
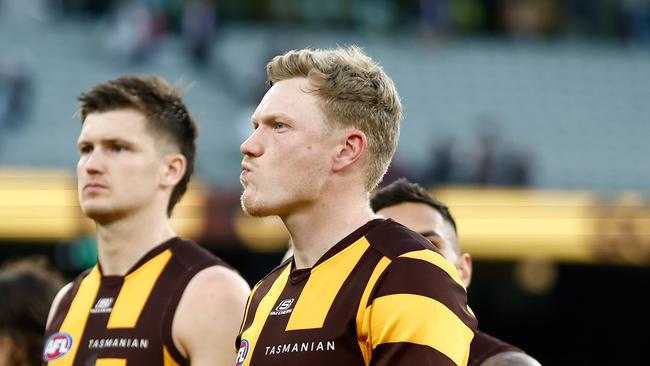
(116, 140)
(430, 233)
(110, 141)
(272, 116)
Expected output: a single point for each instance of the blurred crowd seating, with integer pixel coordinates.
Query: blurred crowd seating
(488, 99)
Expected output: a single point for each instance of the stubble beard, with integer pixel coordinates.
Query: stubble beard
(104, 213)
(250, 204)
(283, 202)
(102, 216)
(281, 206)
(253, 204)
(252, 209)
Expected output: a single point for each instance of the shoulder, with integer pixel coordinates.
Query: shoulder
(420, 277)
(511, 358)
(425, 277)
(392, 239)
(65, 294)
(413, 257)
(214, 284)
(56, 302)
(191, 254)
(484, 345)
(211, 307)
(414, 304)
(487, 350)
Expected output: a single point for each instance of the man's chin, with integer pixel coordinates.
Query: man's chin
(251, 210)
(254, 209)
(99, 214)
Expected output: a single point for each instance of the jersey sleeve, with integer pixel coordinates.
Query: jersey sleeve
(418, 313)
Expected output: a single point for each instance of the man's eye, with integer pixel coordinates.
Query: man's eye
(435, 241)
(119, 148)
(85, 150)
(279, 125)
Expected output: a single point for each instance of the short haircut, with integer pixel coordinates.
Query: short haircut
(354, 91)
(165, 112)
(28, 287)
(402, 191)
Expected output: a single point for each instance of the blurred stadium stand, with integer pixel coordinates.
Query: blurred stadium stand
(578, 109)
(534, 132)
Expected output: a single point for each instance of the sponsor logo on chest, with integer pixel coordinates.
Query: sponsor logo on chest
(300, 347)
(57, 346)
(284, 307)
(104, 305)
(101, 343)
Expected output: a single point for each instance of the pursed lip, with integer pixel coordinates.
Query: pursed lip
(245, 171)
(245, 168)
(94, 186)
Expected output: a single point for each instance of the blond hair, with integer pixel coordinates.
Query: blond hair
(354, 91)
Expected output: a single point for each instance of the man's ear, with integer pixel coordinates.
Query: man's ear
(174, 169)
(465, 268)
(350, 150)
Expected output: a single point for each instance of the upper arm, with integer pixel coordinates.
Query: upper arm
(55, 303)
(510, 358)
(419, 311)
(208, 316)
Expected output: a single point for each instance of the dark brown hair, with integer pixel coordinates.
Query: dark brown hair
(402, 191)
(166, 114)
(28, 287)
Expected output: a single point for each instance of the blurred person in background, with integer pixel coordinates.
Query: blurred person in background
(498, 162)
(412, 206)
(435, 17)
(324, 135)
(637, 19)
(27, 287)
(133, 32)
(153, 298)
(16, 90)
(199, 26)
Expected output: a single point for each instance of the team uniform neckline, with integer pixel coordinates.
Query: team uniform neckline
(117, 279)
(299, 275)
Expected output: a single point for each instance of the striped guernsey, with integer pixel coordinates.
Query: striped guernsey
(125, 320)
(381, 296)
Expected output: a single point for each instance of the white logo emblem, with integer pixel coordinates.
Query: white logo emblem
(242, 353)
(103, 305)
(284, 307)
(57, 346)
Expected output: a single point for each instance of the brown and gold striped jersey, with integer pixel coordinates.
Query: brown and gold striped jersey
(381, 296)
(125, 320)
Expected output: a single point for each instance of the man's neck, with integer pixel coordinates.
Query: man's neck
(122, 243)
(317, 229)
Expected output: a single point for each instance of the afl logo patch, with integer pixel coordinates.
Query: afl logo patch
(242, 353)
(57, 346)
